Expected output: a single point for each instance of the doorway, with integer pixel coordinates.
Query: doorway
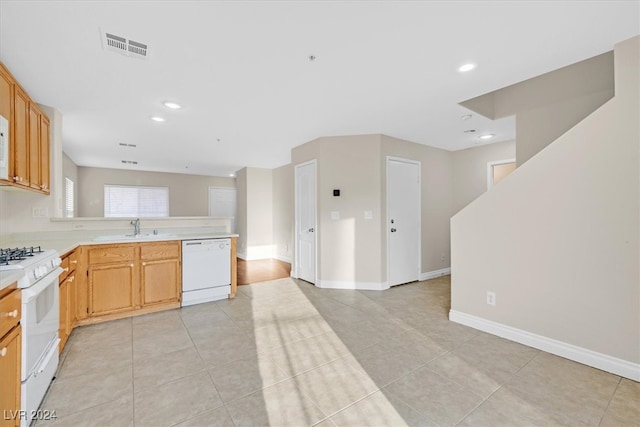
(498, 170)
(305, 221)
(403, 221)
(222, 204)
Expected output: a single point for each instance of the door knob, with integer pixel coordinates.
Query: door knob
(311, 230)
(393, 230)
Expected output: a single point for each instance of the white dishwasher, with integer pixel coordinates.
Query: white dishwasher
(206, 270)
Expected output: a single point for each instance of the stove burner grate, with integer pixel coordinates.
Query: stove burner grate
(18, 254)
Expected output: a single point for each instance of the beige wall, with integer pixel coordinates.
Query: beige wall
(470, 170)
(558, 241)
(70, 170)
(283, 212)
(255, 213)
(241, 212)
(350, 247)
(548, 105)
(188, 194)
(538, 127)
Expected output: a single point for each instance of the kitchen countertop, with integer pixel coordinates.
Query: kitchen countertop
(107, 237)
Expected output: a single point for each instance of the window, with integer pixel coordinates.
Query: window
(496, 171)
(69, 198)
(135, 201)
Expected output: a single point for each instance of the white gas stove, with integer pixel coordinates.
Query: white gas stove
(40, 321)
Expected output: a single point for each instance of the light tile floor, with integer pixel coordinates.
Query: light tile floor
(286, 353)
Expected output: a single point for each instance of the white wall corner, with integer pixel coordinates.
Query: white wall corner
(436, 273)
(360, 286)
(582, 355)
(241, 255)
(284, 258)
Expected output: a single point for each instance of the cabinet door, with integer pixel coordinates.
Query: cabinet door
(111, 288)
(20, 137)
(44, 154)
(10, 374)
(34, 147)
(160, 281)
(63, 330)
(73, 306)
(6, 95)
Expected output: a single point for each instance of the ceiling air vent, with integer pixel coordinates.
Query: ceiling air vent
(129, 162)
(124, 46)
(122, 144)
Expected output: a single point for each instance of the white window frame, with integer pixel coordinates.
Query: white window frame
(135, 210)
(69, 198)
(490, 166)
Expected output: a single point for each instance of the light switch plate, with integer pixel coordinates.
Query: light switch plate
(335, 215)
(368, 214)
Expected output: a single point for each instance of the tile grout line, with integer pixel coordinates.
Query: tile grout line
(610, 400)
(499, 388)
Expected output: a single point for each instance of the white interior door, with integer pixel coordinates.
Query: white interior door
(305, 204)
(222, 204)
(403, 221)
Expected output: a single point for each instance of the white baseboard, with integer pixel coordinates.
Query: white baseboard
(361, 286)
(241, 255)
(569, 351)
(283, 259)
(436, 273)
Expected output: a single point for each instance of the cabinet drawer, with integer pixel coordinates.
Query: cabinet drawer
(165, 250)
(111, 254)
(64, 265)
(10, 311)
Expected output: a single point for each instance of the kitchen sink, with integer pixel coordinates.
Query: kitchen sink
(141, 236)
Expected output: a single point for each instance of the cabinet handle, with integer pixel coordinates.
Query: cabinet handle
(144, 263)
(75, 261)
(3, 352)
(13, 313)
(71, 278)
(65, 269)
(131, 265)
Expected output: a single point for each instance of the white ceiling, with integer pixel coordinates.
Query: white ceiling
(250, 93)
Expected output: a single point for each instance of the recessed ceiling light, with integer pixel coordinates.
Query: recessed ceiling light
(158, 119)
(312, 58)
(486, 136)
(466, 67)
(172, 105)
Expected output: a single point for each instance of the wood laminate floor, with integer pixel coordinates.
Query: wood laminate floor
(262, 270)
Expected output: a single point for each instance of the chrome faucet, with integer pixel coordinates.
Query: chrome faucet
(136, 226)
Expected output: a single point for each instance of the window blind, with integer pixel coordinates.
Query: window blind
(69, 198)
(135, 201)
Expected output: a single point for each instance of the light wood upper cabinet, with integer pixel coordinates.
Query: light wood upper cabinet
(29, 139)
(19, 135)
(45, 153)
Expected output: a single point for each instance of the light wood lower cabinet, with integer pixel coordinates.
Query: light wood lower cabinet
(68, 280)
(10, 356)
(126, 278)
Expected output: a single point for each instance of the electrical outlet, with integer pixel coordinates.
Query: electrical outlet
(39, 212)
(491, 298)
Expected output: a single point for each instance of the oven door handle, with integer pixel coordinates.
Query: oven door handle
(32, 292)
(53, 349)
